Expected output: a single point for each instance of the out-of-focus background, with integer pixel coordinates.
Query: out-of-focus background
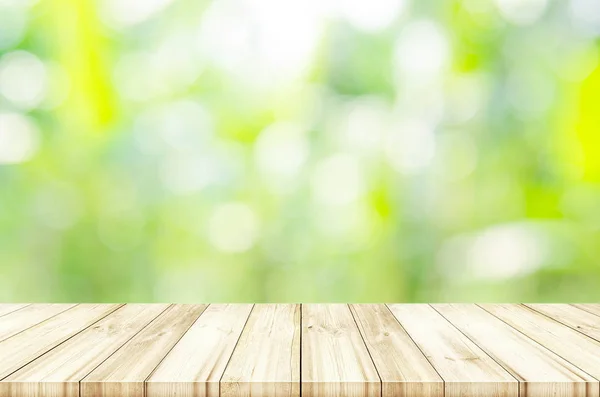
(316, 150)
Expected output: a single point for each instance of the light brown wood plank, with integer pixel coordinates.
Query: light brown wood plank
(335, 359)
(266, 360)
(465, 368)
(571, 316)
(28, 345)
(17, 321)
(123, 374)
(539, 371)
(196, 364)
(6, 308)
(58, 372)
(593, 308)
(574, 347)
(402, 367)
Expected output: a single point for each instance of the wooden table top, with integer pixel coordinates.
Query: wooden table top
(263, 350)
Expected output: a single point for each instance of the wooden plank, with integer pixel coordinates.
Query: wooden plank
(402, 367)
(465, 368)
(571, 316)
(196, 364)
(28, 345)
(539, 371)
(58, 372)
(266, 360)
(335, 359)
(254, 351)
(593, 308)
(123, 374)
(6, 308)
(574, 347)
(17, 321)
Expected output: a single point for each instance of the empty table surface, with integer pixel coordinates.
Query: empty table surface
(261, 350)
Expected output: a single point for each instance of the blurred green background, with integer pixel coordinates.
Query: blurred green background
(316, 150)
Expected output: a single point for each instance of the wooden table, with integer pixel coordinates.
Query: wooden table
(162, 350)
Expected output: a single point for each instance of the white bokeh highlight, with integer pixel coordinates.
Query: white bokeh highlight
(421, 52)
(233, 227)
(338, 180)
(23, 79)
(126, 13)
(521, 12)
(19, 138)
(281, 152)
(371, 16)
(410, 146)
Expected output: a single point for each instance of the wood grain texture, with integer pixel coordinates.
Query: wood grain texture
(466, 369)
(123, 374)
(574, 347)
(335, 359)
(58, 372)
(196, 364)
(289, 350)
(571, 316)
(6, 308)
(539, 371)
(402, 367)
(17, 321)
(593, 308)
(266, 360)
(28, 345)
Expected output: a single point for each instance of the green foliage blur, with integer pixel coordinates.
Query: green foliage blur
(317, 150)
